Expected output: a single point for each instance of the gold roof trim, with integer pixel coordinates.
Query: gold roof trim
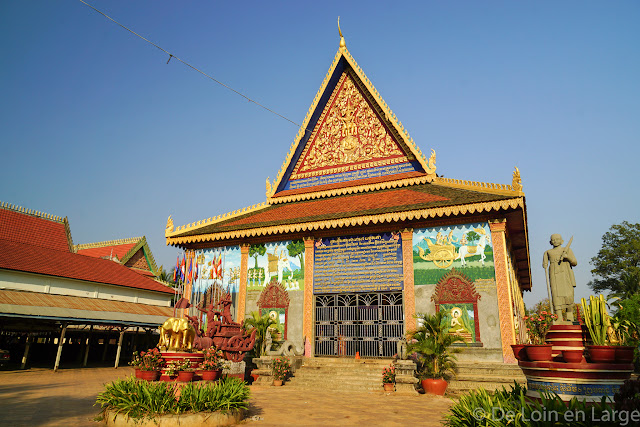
(117, 242)
(353, 221)
(351, 190)
(429, 166)
(484, 187)
(20, 209)
(171, 230)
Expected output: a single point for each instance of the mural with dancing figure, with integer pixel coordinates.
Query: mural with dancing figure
(280, 261)
(437, 250)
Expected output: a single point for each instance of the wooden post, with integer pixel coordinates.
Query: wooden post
(106, 346)
(60, 342)
(119, 348)
(26, 352)
(86, 349)
(135, 340)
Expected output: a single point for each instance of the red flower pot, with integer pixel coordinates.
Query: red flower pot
(519, 352)
(149, 375)
(602, 353)
(277, 383)
(624, 354)
(185, 376)
(211, 375)
(388, 386)
(572, 356)
(434, 386)
(539, 352)
(138, 373)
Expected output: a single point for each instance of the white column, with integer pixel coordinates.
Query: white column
(60, 342)
(119, 348)
(26, 352)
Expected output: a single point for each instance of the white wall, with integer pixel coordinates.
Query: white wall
(19, 281)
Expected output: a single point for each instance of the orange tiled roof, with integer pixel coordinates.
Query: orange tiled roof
(36, 259)
(106, 251)
(34, 230)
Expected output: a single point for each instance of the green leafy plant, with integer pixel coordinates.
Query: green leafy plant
(142, 399)
(514, 409)
(538, 324)
(151, 360)
(172, 368)
(431, 342)
(281, 368)
(262, 324)
(389, 375)
(136, 360)
(596, 319)
(185, 365)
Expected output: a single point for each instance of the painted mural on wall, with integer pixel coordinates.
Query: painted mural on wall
(280, 261)
(218, 273)
(437, 250)
(460, 319)
(278, 315)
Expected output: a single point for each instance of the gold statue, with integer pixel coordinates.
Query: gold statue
(177, 333)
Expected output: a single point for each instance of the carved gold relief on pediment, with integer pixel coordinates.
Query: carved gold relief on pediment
(348, 133)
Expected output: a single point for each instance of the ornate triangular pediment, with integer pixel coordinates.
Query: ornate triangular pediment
(349, 135)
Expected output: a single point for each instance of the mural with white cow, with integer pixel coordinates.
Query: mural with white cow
(281, 261)
(465, 247)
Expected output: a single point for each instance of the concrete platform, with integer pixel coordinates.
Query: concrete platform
(40, 397)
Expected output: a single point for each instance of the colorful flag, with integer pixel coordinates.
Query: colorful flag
(182, 268)
(189, 270)
(175, 270)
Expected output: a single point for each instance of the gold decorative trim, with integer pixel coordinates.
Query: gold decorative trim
(483, 187)
(355, 189)
(352, 221)
(429, 166)
(20, 209)
(169, 231)
(117, 242)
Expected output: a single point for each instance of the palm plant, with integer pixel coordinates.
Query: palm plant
(261, 323)
(431, 342)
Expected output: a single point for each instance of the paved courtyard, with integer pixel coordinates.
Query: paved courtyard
(40, 397)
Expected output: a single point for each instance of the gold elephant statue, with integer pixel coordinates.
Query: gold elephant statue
(177, 333)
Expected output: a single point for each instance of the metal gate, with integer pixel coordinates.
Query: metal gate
(368, 323)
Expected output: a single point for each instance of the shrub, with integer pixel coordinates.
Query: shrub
(389, 375)
(513, 408)
(281, 368)
(143, 399)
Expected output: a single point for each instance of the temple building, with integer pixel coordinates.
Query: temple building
(133, 253)
(359, 233)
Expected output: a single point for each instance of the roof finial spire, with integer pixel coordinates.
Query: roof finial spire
(342, 42)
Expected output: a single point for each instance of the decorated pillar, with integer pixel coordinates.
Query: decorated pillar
(307, 326)
(407, 271)
(505, 314)
(242, 291)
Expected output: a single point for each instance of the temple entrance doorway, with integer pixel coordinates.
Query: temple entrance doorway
(368, 323)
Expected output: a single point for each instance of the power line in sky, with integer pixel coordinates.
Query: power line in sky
(171, 56)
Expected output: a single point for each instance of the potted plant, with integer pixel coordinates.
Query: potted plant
(281, 370)
(518, 348)
(599, 324)
(431, 342)
(622, 334)
(136, 361)
(152, 363)
(185, 371)
(538, 324)
(171, 370)
(213, 364)
(262, 325)
(389, 378)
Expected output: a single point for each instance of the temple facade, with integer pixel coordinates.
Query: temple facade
(359, 233)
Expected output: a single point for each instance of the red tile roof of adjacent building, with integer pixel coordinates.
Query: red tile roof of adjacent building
(106, 251)
(37, 259)
(34, 230)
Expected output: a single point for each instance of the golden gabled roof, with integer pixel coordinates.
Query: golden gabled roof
(390, 118)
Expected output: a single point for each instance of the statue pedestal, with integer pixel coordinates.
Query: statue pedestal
(405, 377)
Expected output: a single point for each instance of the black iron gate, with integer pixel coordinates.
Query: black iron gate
(368, 323)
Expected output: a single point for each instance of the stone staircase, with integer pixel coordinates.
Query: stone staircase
(340, 374)
(488, 375)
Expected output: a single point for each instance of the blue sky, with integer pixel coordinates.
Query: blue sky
(97, 127)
